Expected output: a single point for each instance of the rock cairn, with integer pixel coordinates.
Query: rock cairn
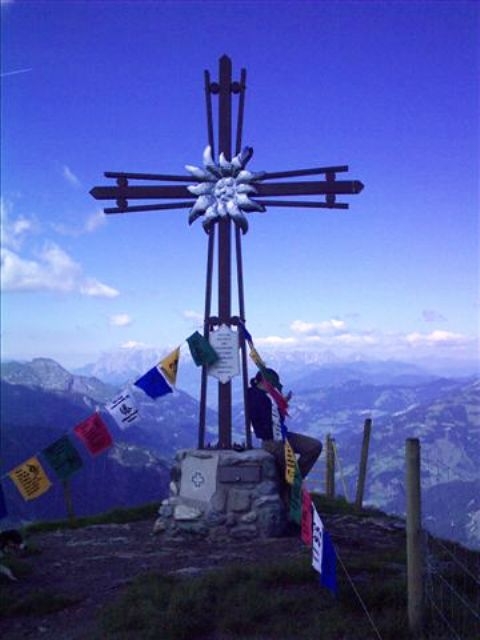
(223, 493)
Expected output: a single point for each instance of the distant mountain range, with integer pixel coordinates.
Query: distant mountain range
(41, 400)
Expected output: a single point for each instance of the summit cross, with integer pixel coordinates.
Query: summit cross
(224, 191)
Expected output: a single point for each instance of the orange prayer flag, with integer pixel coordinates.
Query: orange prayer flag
(169, 365)
(30, 479)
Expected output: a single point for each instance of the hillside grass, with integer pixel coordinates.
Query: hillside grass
(280, 601)
(114, 516)
(266, 602)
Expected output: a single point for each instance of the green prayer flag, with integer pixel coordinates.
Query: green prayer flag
(295, 511)
(62, 456)
(202, 351)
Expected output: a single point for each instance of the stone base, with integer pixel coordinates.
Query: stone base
(223, 493)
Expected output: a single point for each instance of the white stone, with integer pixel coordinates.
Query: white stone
(159, 526)
(183, 512)
(199, 478)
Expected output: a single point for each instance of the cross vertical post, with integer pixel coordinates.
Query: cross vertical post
(224, 248)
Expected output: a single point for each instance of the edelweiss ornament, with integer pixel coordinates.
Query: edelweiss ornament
(223, 189)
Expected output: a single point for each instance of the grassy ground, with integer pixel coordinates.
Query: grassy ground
(280, 602)
(119, 516)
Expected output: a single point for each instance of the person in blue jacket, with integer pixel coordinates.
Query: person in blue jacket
(264, 415)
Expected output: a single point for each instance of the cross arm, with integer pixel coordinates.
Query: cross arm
(152, 192)
(143, 192)
(308, 188)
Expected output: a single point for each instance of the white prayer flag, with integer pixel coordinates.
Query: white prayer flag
(276, 423)
(317, 547)
(123, 409)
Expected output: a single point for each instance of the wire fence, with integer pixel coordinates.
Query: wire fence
(452, 591)
(451, 584)
(452, 572)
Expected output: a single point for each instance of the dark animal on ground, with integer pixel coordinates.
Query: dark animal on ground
(10, 540)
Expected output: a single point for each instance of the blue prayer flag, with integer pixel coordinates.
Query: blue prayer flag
(246, 334)
(328, 577)
(153, 384)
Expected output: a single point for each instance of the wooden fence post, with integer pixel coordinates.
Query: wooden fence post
(362, 472)
(67, 495)
(414, 538)
(330, 461)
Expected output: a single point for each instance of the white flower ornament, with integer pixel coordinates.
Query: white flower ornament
(223, 189)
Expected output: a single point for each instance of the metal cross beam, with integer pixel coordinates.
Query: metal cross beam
(124, 192)
(225, 190)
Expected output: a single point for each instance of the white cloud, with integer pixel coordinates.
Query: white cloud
(276, 341)
(436, 338)
(95, 220)
(13, 231)
(94, 288)
(91, 224)
(52, 270)
(133, 344)
(14, 72)
(193, 315)
(318, 328)
(343, 339)
(120, 320)
(333, 335)
(70, 177)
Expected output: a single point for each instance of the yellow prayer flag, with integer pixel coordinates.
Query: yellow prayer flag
(255, 356)
(169, 365)
(30, 479)
(290, 463)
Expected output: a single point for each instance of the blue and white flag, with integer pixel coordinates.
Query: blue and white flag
(153, 383)
(324, 559)
(277, 423)
(317, 546)
(328, 577)
(123, 409)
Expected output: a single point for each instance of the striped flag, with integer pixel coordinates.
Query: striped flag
(324, 559)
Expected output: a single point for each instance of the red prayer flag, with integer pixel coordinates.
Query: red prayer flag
(94, 434)
(279, 400)
(307, 518)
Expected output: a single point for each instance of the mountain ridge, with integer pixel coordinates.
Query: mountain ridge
(444, 413)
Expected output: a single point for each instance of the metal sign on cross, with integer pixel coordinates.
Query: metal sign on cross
(224, 191)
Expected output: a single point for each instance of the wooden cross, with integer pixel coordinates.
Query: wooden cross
(225, 190)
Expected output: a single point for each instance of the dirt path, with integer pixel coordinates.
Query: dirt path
(94, 564)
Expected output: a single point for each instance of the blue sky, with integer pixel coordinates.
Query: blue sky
(389, 88)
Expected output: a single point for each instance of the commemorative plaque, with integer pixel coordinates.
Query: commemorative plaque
(225, 343)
